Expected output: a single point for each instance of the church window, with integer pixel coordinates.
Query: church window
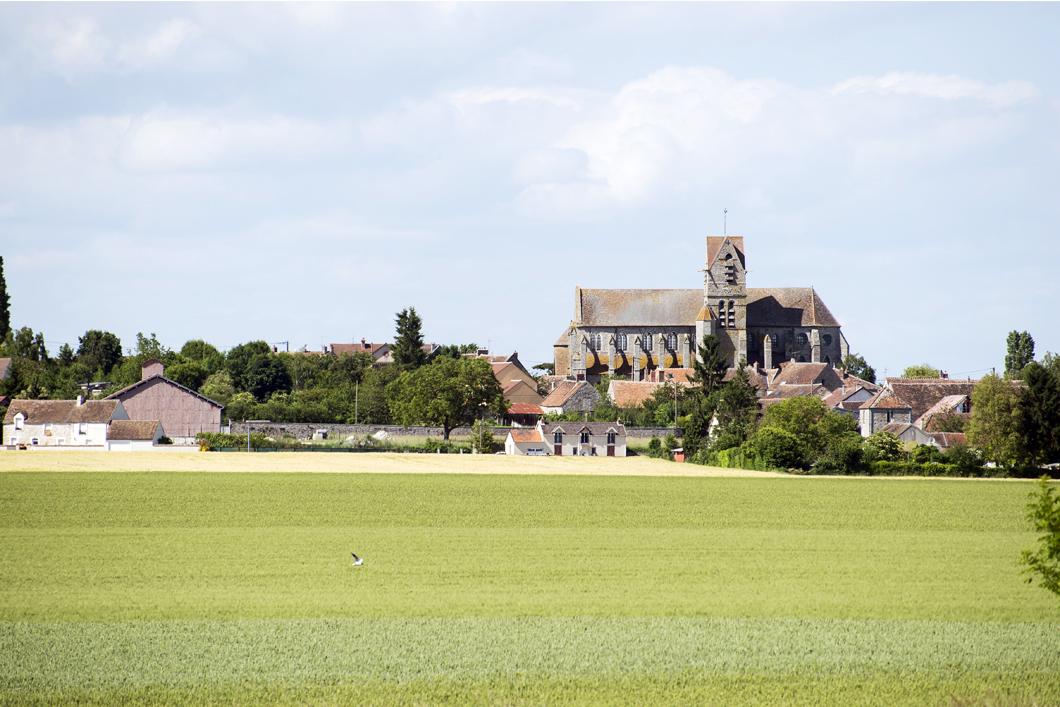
(826, 339)
(732, 314)
(594, 342)
(721, 313)
(800, 339)
(646, 342)
(773, 340)
(671, 342)
(620, 342)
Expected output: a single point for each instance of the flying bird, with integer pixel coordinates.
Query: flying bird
(357, 561)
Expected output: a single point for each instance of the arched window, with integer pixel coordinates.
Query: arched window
(721, 313)
(611, 437)
(671, 341)
(620, 342)
(826, 339)
(20, 419)
(646, 342)
(732, 314)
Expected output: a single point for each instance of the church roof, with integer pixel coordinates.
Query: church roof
(714, 244)
(766, 306)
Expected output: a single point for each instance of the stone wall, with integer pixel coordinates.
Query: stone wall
(305, 430)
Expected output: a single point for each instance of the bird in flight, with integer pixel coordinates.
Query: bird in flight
(357, 561)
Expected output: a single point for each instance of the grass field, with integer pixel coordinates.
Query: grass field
(207, 587)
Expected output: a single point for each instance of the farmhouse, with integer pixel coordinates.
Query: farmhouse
(182, 411)
(100, 424)
(577, 439)
(570, 396)
(922, 402)
(632, 332)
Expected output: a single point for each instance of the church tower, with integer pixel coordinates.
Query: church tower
(725, 294)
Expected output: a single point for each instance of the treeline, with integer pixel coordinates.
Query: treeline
(254, 382)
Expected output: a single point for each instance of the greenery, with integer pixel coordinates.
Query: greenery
(5, 304)
(408, 344)
(99, 351)
(922, 370)
(1038, 418)
(238, 588)
(1043, 512)
(709, 365)
(856, 365)
(993, 425)
(1019, 352)
(448, 393)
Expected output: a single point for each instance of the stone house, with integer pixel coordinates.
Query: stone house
(882, 409)
(64, 423)
(584, 439)
(182, 411)
(631, 332)
(523, 414)
(950, 407)
(570, 396)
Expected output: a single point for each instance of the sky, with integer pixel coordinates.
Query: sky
(301, 173)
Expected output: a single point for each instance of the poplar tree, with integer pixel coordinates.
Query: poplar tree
(5, 304)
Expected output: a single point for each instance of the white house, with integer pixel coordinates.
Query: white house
(76, 423)
(525, 440)
(573, 439)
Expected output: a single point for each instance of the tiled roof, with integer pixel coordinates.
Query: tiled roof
(137, 430)
(773, 306)
(357, 347)
(838, 397)
(798, 373)
(948, 439)
(714, 244)
(124, 392)
(946, 405)
(896, 428)
(884, 400)
(562, 393)
(526, 434)
(525, 409)
(38, 412)
(681, 375)
(758, 380)
(921, 394)
(631, 394)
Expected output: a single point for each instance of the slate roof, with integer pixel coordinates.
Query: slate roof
(526, 434)
(562, 393)
(124, 392)
(770, 306)
(573, 428)
(921, 394)
(38, 412)
(133, 430)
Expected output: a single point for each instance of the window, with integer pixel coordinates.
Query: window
(732, 314)
(594, 342)
(800, 339)
(557, 438)
(80, 428)
(721, 313)
(671, 341)
(585, 437)
(20, 419)
(826, 339)
(646, 342)
(611, 437)
(773, 340)
(620, 342)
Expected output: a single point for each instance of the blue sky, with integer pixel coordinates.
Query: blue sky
(302, 172)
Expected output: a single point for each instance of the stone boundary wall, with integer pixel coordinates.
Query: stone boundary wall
(305, 430)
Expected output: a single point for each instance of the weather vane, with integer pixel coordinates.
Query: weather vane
(725, 222)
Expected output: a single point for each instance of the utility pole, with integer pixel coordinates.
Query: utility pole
(356, 401)
(249, 423)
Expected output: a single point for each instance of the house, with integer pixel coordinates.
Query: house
(882, 409)
(631, 332)
(523, 414)
(922, 394)
(525, 441)
(134, 435)
(848, 399)
(570, 396)
(628, 395)
(584, 439)
(182, 411)
(950, 409)
(381, 353)
(908, 433)
(65, 423)
(945, 440)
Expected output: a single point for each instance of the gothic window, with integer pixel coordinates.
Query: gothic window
(826, 339)
(585, 437)
(773, 340)
(620, 342)
(595, 341)
(557, 438)
(800, 339)
(646, 342)
(671, 342)
(721, 313)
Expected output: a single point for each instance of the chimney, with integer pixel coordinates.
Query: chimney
(767, 348)
(151, 368)
(80, 400)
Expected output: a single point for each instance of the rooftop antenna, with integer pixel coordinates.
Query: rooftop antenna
(725, 222)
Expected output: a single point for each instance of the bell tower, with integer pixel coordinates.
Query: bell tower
(725, 294)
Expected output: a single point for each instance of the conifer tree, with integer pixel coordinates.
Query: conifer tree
(5, 304)
(709, 365)
(408, 344)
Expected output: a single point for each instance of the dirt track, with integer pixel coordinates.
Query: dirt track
(332, 462)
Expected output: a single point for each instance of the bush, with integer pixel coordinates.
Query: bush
(656, 450)
(482, 439)
(882, 446)
(924, 453)
(966, 459)
(910, 468)
(777, 448)
(844, 456)
(213, 441)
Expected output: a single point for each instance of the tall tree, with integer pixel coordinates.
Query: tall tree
(1019, 352)
(1039, 415)
(709, 365)
(922, 370)
(992, 428)
(1044, 512)
(737, 410)
(856, 365)
(408, 344)
(99, 350)
(5, 304)
(448, 393)
(239, 358)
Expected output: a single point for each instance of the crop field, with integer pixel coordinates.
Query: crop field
(200, 587)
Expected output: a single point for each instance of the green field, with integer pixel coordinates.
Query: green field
(199, 587)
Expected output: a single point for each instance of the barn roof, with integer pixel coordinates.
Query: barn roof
(133, 430)
(129, 390)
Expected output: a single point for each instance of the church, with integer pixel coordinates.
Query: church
(634, 333)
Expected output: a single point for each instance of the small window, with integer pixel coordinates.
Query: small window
(585, 437)
(20, 419)
(557, 438)
(620, 342)
(611, 437)
(826, 339)
(773, 340)
(671, 342)
(594, 342)
(728, 256)
(800, 339)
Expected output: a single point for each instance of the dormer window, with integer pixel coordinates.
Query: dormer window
(557, 438)
(610, 437)
(20, 420)
(585, 436)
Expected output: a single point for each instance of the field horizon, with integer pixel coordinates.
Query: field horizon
(203, 587)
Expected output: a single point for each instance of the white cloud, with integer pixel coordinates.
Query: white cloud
(72, 46)
(948, 88)
(158, 46)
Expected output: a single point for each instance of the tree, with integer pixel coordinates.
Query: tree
(239, 358)
(709, 365)
(1038, 419)
(448, 393)
(265, 375)
(855, 365)
(218, 387)
(66, 355)
(27, 344)
(548, 369)
(736, 410)
(149, 347)
(99, 350)
(992, 428)
(190, 374)
(5, 304)
(202, 352)
(810, 422)
(457, 350)
(883, 446)
(923, 370)
(240, 407)
(1019, 352)
(408, 344)
(778, 448)
(1044, 513)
